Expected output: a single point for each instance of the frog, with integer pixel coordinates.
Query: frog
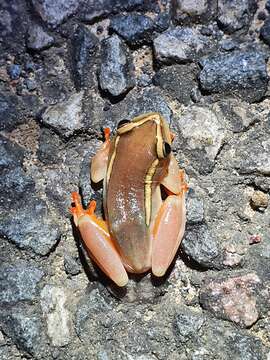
(143, 199)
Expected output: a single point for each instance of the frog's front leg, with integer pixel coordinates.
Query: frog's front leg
(100, 160)
(169, 224)
(96, 237)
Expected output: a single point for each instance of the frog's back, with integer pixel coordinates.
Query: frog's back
(131, 158)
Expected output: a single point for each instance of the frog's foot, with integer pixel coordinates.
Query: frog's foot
(168, 229)
(96, 237)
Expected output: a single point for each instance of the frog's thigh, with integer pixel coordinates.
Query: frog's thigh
(173, 182)
(100, 160)
(101, 249)
(168, 231)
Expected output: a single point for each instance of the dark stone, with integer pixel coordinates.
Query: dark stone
(235, 15)
(14, 71)
(261, 15)
(267, 5)
(93, 10)
(200, 245)
(14, 186)
(65, 117)
(53, 13)
(31, 84)
(30, 226)
(234, 298)
(182, 44)
(195, 210)
(136, 29)
(11, 154)
(223, 73)
(24, 327)
(49, 147)
(38, 39)
(13, 25)
(265, 31)
(83, 50)
(116, 74)
(19, 282)
(186, 11)
(188, 325)
(178, 81)
(72, 265)
(139, 102)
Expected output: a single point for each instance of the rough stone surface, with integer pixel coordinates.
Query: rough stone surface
(134, 28)
(182, 44)
(66, 117)
(54, 13)
(116, 70)
(24, 327)
(194, 10)
(234, 299)
(201, 246)
(38, 39)
(83, 48)
(53, 303)
(178, 80)
(18, 282)
(202, 136)
(93, 10)
(265, 31)
(30, 227)
(235, 15)
(203, 65)
(224, 74)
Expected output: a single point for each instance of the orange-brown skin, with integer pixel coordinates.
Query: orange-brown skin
(141, 231)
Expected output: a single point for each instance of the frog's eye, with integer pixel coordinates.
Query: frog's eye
(122, 123)
(166, 149)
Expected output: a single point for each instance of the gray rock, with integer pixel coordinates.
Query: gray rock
(265, 31)
(134, 28)
(11, 154)
(84, 48)
(58, 318)
(194, 10)
(72, 265)
(92, 10)
(201, 136)
(195, 210)
(52, 12)
(188, 325)
(251, 154)
(9, 115)
(38, 39)
(207, 338)
(178, 80)
(116, 70)
(223, 73)
(66, 117)
(235, 15)
(182, 44)
(14, 184)
(90, 304)
(234, 298)
(19, 282)
(50, 145)
(200, 245)
(24, 327)
(30, 226)
(140, 102)
(14, 71)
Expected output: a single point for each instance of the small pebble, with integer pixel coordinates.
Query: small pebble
(14, 71)
(259, 200)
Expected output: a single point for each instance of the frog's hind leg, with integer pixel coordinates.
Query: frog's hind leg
(169, 224)
(96, 237)
(100, 160)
